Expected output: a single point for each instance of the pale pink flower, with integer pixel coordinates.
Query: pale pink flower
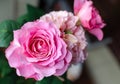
(62, 19)
(38, 51)
(89, 17)
(72, 34)
(77, 44)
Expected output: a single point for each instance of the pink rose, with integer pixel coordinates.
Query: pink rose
(38, 51)
(89, 17)
(73, 35)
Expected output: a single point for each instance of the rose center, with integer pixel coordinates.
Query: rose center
(39, 47)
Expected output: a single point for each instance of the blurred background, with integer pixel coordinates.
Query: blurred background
(103, 63)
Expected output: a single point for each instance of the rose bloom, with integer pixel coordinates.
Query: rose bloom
(72, 33)
(89, 17)
(38, 51)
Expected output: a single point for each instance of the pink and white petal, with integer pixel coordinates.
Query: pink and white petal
(10, 49)
(26, 70)
(16, 58)
(59, 65)
(44, 70)
(64, 52)
(58, 46)
(80, 58)
(46, 62)
(68, 57)
(85, 14)
(98, 33)
(17, 35)
(37, 76)
(60, 72)
(77, 5)
(48, 71)
(20, 36)
(51, 64)
(31, 59)
(28, 25)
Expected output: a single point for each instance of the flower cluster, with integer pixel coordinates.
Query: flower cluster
(49, 45)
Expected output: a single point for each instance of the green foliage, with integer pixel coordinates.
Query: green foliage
(22, 80)
(6, 73)
(4, 67)
(23, 19)
(54, 80)
(50, 80)
(6, 32)
(7, 80)
(33, 13)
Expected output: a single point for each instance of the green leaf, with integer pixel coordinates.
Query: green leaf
(56, 81)
(4, 67)
(6, 32)
(23, 19)
(22, 80)
(50, 80)
(34, 13)
(45, 81)
(7, 80)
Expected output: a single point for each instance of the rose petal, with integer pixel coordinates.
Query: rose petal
(59, 65)
(77, 5)
(85, 14)
(98, 33)
(16, 58)
(26, 70)
(37, 76)
(61, 71)
(44, 70)
(68, 57)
